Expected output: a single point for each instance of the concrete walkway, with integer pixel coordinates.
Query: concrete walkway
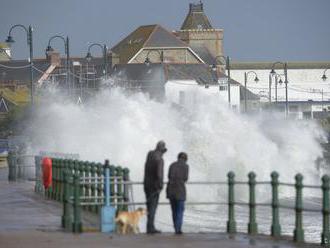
(28, 220)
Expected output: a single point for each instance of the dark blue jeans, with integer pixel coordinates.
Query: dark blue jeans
(177, 213)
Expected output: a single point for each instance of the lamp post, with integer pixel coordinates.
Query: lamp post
(10, 40)
(256, 79)
(66, 50)
(277, 82)
(104, 52)
(285, 68)
(224, 60)
(324, 77)
(147, 62)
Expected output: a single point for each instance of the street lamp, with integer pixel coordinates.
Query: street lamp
(10, 40)
(324, 77)
(285, 68)
(104, 51)
(147, 62)
(222, 60)
(256, 79)
(67, 52)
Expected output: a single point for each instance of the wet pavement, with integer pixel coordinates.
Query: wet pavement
(28, 220)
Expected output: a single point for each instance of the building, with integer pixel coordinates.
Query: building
(152, 58)
(308, 95)
(5, 54)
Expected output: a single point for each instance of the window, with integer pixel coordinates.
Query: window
(223, 87)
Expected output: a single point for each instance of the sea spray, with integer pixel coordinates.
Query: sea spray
(123, 128)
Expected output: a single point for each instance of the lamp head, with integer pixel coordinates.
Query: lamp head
(49, 49)
(147, 62)
(256, 79)
(10, 39)
(272, 72)
(280, 82)
(89, 57)
(324, 77)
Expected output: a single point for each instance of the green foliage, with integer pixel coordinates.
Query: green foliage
(9, 122)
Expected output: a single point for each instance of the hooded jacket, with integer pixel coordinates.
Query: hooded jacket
(177, 177)
(153, 170)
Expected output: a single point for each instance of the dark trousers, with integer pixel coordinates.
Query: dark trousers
(152, 203)
(177, 213)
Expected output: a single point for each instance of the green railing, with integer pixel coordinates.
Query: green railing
(80, 186)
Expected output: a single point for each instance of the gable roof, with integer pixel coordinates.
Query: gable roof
(204, 53)
(145, 36)
(196, 18)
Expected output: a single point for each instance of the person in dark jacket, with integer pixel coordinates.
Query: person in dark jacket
(153, 183)
(176, 189)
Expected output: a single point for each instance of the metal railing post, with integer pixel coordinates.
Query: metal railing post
(231, 224)
(112, 183)
(276, 227)
(66, 217)
(77, 225)
(119, 175)
(54, 178)
(93, 187)
(298, 231)
(252, 226)
(99, 188)
(325, 236)
(87, 185)
(126, 191)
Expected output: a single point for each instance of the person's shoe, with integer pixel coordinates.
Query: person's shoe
(179, 232)
(155, 231)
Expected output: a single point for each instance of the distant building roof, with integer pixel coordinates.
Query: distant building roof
(19, 70)
(237, 65)
(196, 18)
(204, 54)
(4, 52)
(152, 36)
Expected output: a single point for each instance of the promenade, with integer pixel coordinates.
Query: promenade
(28, 220)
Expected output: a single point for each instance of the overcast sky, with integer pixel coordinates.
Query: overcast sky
(254, 30)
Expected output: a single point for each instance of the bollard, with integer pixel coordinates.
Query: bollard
(126, 187)
(231, 224)
(119, 180)
(252, 226)
(276, 227)
(66, 217)
(112, 184)
(299, 232)
(325, 237)
(108, 212)
(77, 225)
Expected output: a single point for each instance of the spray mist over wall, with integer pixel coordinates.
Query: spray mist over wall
(124, 128)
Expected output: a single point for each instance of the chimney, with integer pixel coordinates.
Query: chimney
(53, 57)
